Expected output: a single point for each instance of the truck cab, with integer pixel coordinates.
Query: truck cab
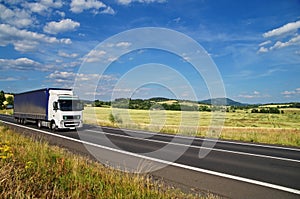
(64, 110)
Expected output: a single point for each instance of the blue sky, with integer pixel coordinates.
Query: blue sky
(255, 45)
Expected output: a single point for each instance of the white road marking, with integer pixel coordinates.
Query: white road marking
(251, 181)
(197, 147)
(208, 139)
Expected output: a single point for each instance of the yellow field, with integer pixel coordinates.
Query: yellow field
(281, 129)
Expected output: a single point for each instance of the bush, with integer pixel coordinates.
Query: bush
(115, 118)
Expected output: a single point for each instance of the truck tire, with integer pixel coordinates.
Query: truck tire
(39, 123)
(53, 126)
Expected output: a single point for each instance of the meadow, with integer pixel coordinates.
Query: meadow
(241, 125)
(34, 169)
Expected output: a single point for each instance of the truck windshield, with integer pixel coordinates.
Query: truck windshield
(70, 105)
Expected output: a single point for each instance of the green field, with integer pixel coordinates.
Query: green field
(283, 129)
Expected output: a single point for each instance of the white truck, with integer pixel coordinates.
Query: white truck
(55, 108)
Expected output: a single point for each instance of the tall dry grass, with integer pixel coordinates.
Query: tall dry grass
(31, 169)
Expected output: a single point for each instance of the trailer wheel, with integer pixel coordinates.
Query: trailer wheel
(53, 126)
(23, 122)
(39, 124)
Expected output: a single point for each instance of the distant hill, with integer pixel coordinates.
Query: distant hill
(222, 101)
(159, 99)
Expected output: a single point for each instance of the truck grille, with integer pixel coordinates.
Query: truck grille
(71, 117)
(71, 124)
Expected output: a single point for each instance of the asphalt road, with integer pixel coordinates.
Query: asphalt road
(230, 169)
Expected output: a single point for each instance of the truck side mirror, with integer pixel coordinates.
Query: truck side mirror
(55, 106)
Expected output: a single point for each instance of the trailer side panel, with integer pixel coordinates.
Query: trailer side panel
(32, 105)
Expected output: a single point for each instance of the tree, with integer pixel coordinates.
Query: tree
(2, 99)
(10, 100)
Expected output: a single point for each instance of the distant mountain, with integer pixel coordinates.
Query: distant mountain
(222, 101)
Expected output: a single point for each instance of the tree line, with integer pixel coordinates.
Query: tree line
(9, 100)
(158, 104)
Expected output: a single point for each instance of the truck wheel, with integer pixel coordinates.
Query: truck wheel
(53, 126)
(39, 124)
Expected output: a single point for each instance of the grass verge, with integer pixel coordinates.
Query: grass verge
(33, 169)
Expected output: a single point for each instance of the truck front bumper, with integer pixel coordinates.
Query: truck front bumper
(70, 124)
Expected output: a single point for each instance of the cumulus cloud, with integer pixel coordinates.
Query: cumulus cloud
(66, 55)
(78, 6)
(95, 56)
(42, 6)
(24, 40)
(68, 78)
(19, 64)
(64, 25)
(123, 44)
(16, 17)
(287, 28)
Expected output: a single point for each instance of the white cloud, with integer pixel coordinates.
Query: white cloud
(65, 41)
(62, 14)
(127, 2)
(66, 55)
(64, 25)
(43, 6)
(78, 6)
(68, 78)
(287, 28)
(124, 2)
(289, 93)
(16, 17)
(8, 79)
(281, 31)
(263, 49)
(19, 64)
(108, 10)
(177, 20)
(25, 45)
(94, 56)
(123, 44)
(292, 41)
(24, 40)
(52, 3)
(255, 94)
(265, 43)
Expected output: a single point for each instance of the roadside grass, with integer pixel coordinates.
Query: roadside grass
(33, 169)
(7, 111)
(281, 129)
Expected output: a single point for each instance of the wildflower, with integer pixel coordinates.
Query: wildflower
(28, 165)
